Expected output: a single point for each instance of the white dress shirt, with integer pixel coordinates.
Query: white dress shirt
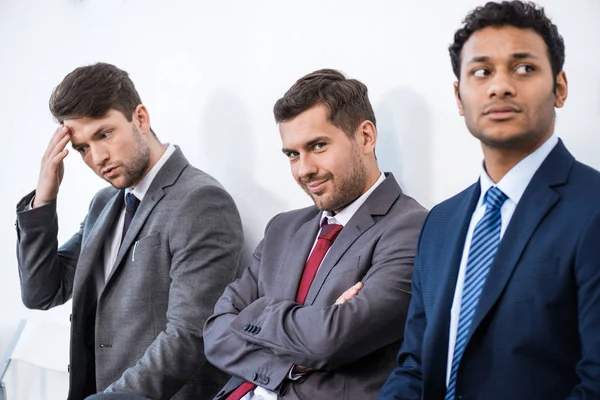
(113, 241)
(341, 218)
(513, 185)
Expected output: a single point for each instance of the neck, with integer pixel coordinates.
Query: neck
(157, 149)
(498, 161)
(372, 179)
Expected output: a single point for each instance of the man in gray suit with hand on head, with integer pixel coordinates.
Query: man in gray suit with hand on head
(153, 254)
(316, 315)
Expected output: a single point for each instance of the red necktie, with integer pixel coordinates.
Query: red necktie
(329, 232)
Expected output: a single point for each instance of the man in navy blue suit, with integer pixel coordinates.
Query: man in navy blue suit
(506, 283)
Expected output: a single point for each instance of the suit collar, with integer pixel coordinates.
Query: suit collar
(344, 216)
(377, 204)
(514, 183)
(140, 190)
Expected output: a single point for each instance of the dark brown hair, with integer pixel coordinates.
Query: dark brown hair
(346, 100)
(91, 91)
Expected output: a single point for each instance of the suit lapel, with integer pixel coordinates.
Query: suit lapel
(90, 261)
(537, 201)
(358, 224)
(450, 257)
(167, 176)
(378, 203)
(295, 259)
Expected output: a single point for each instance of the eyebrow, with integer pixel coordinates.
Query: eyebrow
(308, 144)
(95, 135)
(516, 56)
(521, 56)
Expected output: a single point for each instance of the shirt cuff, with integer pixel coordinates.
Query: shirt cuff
(294, 377)
(29, 206)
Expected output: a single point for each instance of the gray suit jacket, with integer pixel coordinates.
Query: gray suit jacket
(352, 346)
(140, 333)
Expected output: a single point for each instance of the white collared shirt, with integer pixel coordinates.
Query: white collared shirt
(340, 218)
(513, 185)
(113, 241)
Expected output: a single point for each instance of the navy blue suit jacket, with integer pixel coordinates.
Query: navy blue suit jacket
(536, 330)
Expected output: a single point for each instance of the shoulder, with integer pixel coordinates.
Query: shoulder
(102, 197)
(291, 220)
(195, 185)
(583, 175)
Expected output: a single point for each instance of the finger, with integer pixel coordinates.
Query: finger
(341, 299)
(60, 146)
(348, 294)
(56, 137)
(57, 159)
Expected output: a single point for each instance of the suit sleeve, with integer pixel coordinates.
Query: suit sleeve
(46, 272)
(205, 239)
(405, 381)
(327, 337)
(226, 350)
(587, 275)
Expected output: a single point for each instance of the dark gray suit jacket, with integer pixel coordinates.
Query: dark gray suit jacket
(141, 333)
(352, 346)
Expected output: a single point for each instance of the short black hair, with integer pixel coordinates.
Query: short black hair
(520, 14)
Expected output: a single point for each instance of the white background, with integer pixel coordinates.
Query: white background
(209, 73)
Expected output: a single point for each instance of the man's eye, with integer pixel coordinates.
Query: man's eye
(481, 72)
(524, 69)
(82, 149)
(105, 135)
(319, 146)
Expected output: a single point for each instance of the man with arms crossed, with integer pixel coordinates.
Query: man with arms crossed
(506, 289)
(314, 316)
(153, 254)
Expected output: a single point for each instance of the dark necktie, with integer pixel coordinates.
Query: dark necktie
(328, 234)
(131, 205)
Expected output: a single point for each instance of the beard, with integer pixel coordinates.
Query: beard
(345, 187)
(135, 169)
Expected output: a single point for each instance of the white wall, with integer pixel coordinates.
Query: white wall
(210, 72)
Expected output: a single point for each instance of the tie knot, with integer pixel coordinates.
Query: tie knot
(131, 203)
(494, 198)
(330, 231)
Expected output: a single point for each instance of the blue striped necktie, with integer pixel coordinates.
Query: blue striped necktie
(484, 245)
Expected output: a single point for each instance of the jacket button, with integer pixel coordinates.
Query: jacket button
(246, 327)
(255, 377)
(257, 329)
(71, 318)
